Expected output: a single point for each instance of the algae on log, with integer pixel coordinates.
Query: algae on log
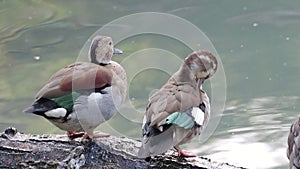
(57, 151)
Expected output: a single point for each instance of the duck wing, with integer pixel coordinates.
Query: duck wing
(163, 111)
(76, 77)
(171, 98)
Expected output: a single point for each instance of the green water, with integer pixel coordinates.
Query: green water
(257, 41)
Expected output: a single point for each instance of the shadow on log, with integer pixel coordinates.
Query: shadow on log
(57, 151)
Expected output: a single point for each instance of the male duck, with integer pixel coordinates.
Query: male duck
(180, 109)
(83, 95)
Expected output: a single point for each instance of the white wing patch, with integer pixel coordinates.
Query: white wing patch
(144, 121)
(56, 113)
(198, 114)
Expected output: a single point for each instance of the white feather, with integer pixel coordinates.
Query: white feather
(144, 121)
(56, 113)
(198, 114)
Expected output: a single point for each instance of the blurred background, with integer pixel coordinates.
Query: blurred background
(257, 41)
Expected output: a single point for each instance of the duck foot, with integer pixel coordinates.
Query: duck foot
(88, 137)
(99, 134)
(73, 135)
(186, 154)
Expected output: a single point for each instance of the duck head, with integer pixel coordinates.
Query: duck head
(202, 65)
(102, 49)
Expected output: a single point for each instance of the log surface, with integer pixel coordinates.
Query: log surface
(19, 150)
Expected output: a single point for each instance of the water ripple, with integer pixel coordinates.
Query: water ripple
(252, 134)
(279, 18)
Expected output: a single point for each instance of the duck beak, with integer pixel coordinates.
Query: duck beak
(117, 51)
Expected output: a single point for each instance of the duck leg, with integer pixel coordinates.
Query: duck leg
(97, 134)
(73, 135)
(182, 153)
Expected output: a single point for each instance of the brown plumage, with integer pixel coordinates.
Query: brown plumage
(82, 95)
(75, 77)
(182, 93)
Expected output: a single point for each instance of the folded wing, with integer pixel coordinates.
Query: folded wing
(76, 77)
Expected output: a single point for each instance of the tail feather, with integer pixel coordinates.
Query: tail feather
(39, 107)
(157, 144)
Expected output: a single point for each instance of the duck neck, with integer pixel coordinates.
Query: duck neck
(99, 63)
(184, 74)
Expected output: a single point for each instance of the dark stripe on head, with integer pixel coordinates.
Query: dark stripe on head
(93, 48)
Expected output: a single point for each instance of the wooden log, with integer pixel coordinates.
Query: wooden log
(19, 150)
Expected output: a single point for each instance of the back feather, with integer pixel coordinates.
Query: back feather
(67, 101)
(183, 120)
(158, 143)
(40, 106)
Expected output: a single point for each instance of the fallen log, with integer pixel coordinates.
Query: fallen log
(18, 150)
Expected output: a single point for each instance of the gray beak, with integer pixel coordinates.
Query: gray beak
(117, 51)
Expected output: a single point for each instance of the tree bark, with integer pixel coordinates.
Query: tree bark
(19, 150)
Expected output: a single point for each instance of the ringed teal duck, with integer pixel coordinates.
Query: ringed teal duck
(82, 95)
(180, 109)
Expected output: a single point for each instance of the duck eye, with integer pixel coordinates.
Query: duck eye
(110, 43)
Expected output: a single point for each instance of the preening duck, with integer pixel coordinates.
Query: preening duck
(180, 110)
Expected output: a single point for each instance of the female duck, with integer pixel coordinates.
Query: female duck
(180, 109)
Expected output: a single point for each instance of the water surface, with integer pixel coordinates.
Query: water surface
(257, 41)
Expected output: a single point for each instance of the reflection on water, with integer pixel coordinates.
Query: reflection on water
(253, 134)
(242, 151)
(257, 41)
